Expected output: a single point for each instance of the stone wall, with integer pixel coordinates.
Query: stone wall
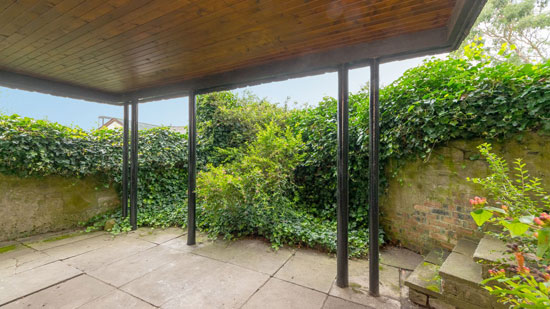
(36, 205)
(426, 204)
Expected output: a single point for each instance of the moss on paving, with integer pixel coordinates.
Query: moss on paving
(7, 248)
(56, 238)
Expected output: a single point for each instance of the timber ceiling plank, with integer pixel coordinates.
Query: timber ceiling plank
(128, 47)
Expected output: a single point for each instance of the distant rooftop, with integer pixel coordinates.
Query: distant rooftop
(113, 122)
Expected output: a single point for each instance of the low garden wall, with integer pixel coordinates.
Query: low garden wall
(426, 204)
(36, 205)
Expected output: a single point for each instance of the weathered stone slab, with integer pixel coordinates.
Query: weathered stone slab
(119, 249)
(425, 279)
(281, 294)
(311, 269)
(69, 294)
(338, 303)
(437, 256)
(436, 303)
(461, 268)
(400, 258)
(157, 236)
(465, 247)
(490, 249)
(25, 283)
(135, 266)
(117, 300)
(253, 254)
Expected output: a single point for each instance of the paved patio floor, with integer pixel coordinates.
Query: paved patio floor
(155, 268)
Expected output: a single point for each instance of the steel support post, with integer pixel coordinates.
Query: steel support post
(134, 166)
(125, 162)
(192, 172)
(374, 145)
(343, 175)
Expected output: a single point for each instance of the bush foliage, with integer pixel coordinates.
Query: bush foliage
(265, 170)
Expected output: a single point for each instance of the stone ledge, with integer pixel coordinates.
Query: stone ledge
(437, 256)
(461, 268)
(490, 250)
(425, 279)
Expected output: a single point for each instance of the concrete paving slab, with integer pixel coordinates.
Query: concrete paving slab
(253, 254)
(400, 258)
(118, 249)
(157, 236)
(117, 300)
(135, 266)
(281, 294)
(172, 279)
(16, 252)
(338, 303)
(82, 246)
(228, 287)
(389, 279)
(23, 262)
(25, 283)
(361, 295)
(69, 294)
(43, 242)
(180, 243)
(311, 269)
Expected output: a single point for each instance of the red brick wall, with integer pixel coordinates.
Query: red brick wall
(426, 204)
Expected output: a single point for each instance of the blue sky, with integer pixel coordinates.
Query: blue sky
(174, 112)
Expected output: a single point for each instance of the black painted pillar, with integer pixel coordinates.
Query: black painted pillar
(125, 162)
(134, 166)
(192, 172)
(374, 145)
(343, 175)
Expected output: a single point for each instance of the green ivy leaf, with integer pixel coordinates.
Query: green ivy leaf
(516, 228)
(481, 216)
(543, 241)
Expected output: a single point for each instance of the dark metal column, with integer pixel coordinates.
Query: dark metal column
(192, 172)
(125, 162)
(343, 175)
(374, 145)
(134, 166)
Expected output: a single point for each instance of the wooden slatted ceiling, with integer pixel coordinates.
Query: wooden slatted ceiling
(124, 45)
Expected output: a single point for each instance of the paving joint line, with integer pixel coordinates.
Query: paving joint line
(42, 289)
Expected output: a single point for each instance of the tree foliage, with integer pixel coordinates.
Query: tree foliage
(523, 24)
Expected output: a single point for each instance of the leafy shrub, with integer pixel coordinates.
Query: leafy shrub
(226, 121)
(253, 195)
(519, 205)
